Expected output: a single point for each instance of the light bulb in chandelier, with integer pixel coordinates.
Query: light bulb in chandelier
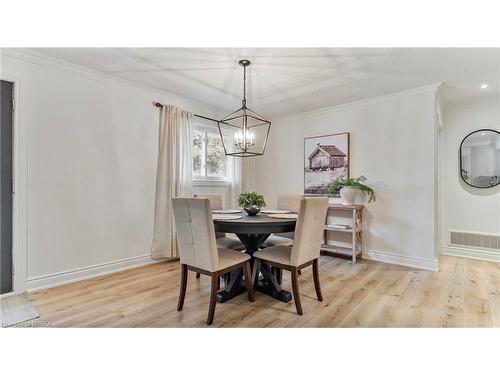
(244, 140)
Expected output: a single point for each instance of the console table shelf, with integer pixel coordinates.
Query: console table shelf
(332, 229)
(354, 248)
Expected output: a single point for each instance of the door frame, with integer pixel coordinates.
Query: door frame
(20, 196)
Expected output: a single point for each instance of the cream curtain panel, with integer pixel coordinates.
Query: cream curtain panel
(238, 170)
(173, 176)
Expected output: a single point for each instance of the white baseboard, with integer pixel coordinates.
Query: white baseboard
(402, 260)
(10, 294)
(480, 254)
(60, 278)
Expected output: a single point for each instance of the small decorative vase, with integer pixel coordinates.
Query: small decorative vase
(348, 195)
(252, 210)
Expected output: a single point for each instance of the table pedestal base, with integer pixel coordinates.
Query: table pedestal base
(234, 288)
(281, 295)
(267, 284)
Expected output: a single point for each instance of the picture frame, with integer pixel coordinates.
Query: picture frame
(326, 158)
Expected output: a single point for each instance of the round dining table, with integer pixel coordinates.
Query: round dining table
(252, 232)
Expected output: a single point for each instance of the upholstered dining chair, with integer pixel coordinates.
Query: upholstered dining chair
(288, 202)
(199, 252)
(222, 239)
(305, 250)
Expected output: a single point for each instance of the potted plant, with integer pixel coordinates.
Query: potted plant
(350, 188)
(251, 202)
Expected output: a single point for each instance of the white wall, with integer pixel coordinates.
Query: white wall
(464, 207)
(91, 146)
(221, 188)
(392, 141)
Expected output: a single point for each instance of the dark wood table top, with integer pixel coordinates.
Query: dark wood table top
(258, 224)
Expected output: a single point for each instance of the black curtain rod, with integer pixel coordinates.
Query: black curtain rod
(159, 105)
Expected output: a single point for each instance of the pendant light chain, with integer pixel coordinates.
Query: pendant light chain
(245, 130)
(244, 86)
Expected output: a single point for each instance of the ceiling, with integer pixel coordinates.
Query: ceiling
(284, 81)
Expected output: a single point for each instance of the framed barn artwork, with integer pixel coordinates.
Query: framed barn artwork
(326, 158)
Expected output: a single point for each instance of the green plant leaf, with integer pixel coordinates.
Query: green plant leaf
(358, 183)
(251, 199)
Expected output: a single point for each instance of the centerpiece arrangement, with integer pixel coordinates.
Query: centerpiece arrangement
(251, 202)
(350, 188)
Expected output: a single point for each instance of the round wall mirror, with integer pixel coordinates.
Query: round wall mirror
(480, 158)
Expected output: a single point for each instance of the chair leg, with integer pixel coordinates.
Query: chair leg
(182, 291)
(213, 297)
(317, 285)
(248, 281)
(295, 290)
(256, 266)
(197, 275)
(299, 272)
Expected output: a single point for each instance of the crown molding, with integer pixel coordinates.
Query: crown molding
(40, 59)
(433, 88)
(478, 100)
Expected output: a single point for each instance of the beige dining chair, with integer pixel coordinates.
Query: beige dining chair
(222, 239)
(199, 251)
(288, 202)
(305, 250)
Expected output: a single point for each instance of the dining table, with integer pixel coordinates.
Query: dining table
(253, 230)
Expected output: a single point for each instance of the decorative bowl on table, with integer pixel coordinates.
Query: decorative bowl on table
(252, 210)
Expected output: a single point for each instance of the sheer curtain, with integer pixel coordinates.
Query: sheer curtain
(238, 178)
(173, 176)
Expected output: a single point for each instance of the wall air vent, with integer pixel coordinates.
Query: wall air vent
(472, 239)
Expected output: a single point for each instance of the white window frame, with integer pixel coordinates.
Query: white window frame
(204, 179)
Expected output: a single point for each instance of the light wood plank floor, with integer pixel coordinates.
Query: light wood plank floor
(464, 293)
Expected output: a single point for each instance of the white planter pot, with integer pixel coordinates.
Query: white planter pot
(348, 195)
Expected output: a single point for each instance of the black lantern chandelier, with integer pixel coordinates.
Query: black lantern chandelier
(244, 133)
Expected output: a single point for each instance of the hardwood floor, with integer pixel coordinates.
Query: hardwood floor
(464, 293)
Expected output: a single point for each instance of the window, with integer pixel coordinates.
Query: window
(209, 158)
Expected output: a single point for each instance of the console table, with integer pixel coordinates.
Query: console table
(350, 215)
